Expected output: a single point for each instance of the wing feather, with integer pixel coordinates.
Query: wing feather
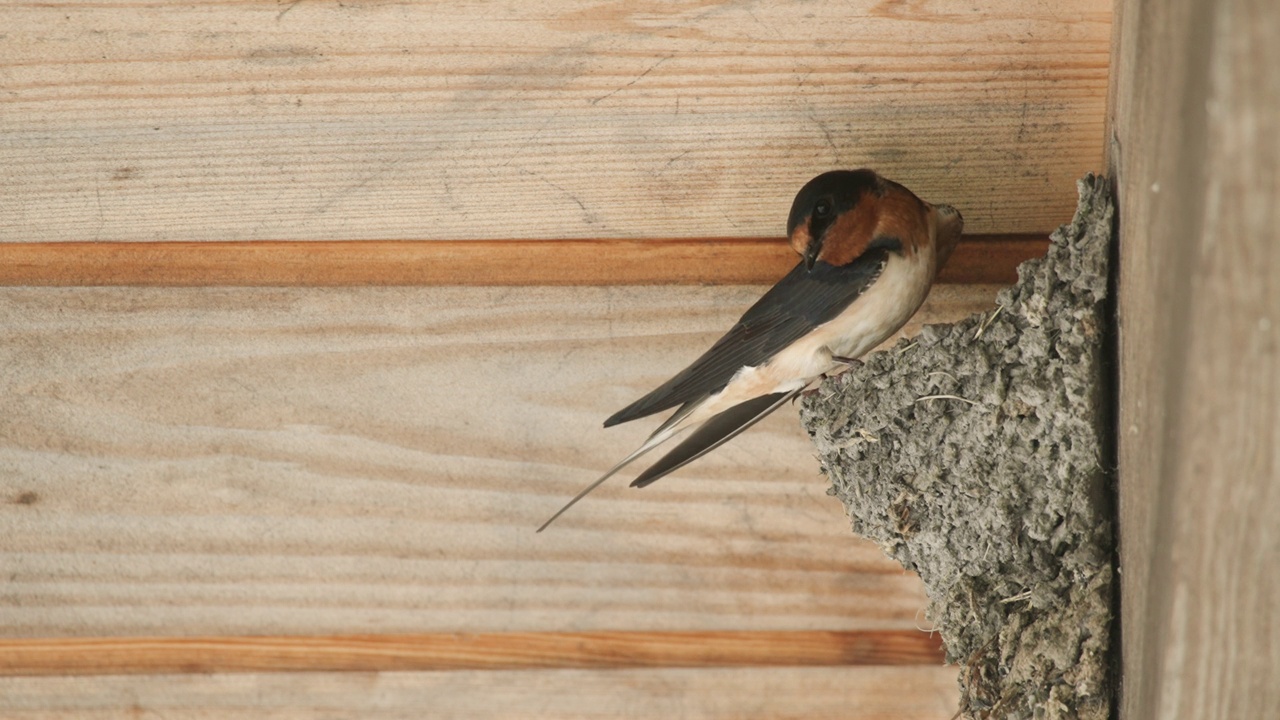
(800, 302)
(716, 431)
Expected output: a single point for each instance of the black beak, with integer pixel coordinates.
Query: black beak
(811, 256)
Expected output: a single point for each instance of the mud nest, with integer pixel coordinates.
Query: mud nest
(976, 455)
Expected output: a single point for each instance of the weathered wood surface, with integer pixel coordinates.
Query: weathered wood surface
(977, 260)
(1197, 126)
(566, 119)
(311, 461)
(466, 651)
(917, 693)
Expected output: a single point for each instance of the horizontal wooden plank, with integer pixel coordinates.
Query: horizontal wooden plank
(244, 461)
(982, 260)
(464, 651)
(257, 120)
(866, 693)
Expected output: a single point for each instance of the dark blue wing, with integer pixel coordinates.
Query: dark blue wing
(800, 302)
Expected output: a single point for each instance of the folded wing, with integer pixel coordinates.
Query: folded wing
(800, 302)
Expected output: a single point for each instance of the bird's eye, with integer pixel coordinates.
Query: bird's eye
(822, 209)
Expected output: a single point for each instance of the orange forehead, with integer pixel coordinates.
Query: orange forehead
(800, 238)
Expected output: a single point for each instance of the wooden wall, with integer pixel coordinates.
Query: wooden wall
(1196, 147)
(571, 119)
(323, 487)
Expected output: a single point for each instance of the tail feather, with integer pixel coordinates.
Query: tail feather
(715, 432)
(658, 437)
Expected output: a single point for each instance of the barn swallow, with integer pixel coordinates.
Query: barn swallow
(869, 252)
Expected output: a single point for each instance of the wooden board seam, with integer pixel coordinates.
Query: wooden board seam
(465, 651)
(982, 259)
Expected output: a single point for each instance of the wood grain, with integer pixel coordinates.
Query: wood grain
(256, 120)
(465, 651)
(238, 461)
(866, 693)
(1196, 126)
(984, 260)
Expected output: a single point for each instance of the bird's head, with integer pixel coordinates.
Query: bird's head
(839, 215)
(829, 212)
